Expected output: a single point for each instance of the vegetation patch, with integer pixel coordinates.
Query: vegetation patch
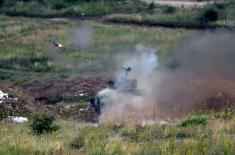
(170, 17)
(193, 121)
(42, 123)
(72, 99)
(180, 19)
(209, 15)
(5, 111)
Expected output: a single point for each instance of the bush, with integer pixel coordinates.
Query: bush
(209, 15)
(4, 112)
(72, 99)
(151, 8)
(43, 123)
(193, 121)
(220, 6)
(59, 6)
(168, 9)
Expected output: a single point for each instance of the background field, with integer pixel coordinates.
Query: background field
(25, 44)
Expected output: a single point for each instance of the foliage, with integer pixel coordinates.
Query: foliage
(4, 111)
(79, 99)
(42, 123)
(168, 9)
(209, 15)
(180, 19)
(220, 6)
(171, 17)
(193, 121)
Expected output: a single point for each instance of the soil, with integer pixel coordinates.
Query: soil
(66, 88)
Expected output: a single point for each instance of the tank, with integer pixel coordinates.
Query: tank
(122, 84)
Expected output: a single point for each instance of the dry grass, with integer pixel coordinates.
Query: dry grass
(216, 137)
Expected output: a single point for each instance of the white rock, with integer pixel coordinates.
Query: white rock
(18, 119)
(3, 95)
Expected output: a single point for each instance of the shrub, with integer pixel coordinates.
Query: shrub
(220, 6)
(55, 99)
(43, 123)
(193, 121)
(151, 8)
(72, 99)
(209, 15)
(4, 112)
(168, 9)
(59, 6)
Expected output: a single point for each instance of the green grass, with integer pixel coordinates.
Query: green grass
(213, 138)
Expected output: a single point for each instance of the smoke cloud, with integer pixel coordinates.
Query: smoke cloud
(82, 37)
(202, 73)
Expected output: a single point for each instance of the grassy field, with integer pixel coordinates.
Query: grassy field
(190, 135)
(26, 42)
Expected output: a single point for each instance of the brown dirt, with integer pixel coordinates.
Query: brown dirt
(32, 97)
(66, 88)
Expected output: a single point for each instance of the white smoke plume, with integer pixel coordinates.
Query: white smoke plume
(202, 69)
(82, 37)
(126, 102)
